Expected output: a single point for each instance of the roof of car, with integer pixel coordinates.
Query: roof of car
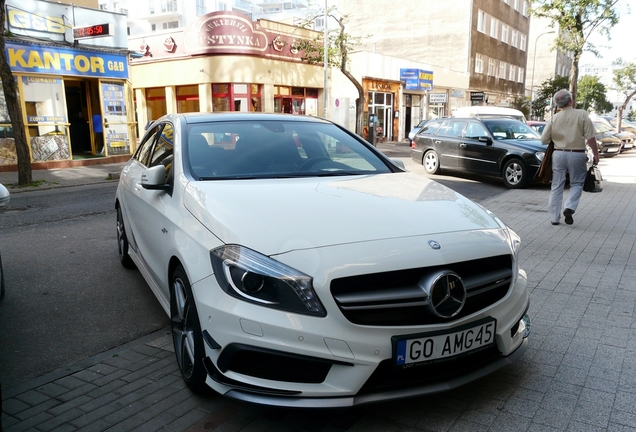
(199, 117)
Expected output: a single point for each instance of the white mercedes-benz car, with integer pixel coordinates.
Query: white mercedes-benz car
(301, 267)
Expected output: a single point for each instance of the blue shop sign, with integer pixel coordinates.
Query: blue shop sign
(65, 61)
(417, 79)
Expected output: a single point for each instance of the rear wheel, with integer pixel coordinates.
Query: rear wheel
(514, 174)
(186, 332)
(431, 162)
(122, 242)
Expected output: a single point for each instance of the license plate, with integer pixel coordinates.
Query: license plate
(612, 149)
(438, 346)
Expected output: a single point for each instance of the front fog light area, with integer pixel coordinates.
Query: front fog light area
(256, 278)
(522, 327)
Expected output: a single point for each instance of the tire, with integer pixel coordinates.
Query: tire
(186, 332)
(431, 162)
(122, 242)
(514, 174)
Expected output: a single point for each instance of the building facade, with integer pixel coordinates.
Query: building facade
(71, 68)
(545, 62)
(224, 61)
(485, 39)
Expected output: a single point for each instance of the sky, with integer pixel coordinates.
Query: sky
(623, 38)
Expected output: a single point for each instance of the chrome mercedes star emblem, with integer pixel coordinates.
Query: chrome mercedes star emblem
(446, 294)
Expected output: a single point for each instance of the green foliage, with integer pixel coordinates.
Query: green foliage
(543, 99)
(576, 21)
(624, 81)
(522, 104)
(593, 95)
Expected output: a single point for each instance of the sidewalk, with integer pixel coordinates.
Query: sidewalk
(579, 373)
(63, 177)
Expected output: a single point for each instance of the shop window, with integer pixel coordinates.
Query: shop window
(44, 99)
(156, 103)
(7, 143)
(187, 98)
(296, 100)
(237, 97)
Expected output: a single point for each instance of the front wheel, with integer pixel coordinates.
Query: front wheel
(186, 332)
(515, 174)
(431, 162)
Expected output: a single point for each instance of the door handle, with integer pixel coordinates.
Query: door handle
(462, 145)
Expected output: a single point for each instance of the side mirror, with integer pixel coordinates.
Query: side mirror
(154, 178)
(485, 139)
(4, 195)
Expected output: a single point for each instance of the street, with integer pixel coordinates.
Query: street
(67, 298)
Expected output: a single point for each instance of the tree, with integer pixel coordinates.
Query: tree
(14, 109)
(543, 99)
(625, 82)
(577, 20)
(522, 104)
(339, 45)
(594, 95)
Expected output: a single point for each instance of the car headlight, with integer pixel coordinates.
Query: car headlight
(540, 155)
(513, 240)
(256, 278)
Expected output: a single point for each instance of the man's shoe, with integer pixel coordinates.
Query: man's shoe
(568, 216)
(555, 223)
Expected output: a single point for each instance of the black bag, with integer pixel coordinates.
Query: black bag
(593, 180)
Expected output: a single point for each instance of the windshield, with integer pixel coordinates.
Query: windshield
(506, 129)
(276, 149)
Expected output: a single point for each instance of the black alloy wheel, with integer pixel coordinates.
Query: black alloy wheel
(514, 173)
(186, 332)
(122, 242)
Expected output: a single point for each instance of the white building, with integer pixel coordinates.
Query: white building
(146, 16)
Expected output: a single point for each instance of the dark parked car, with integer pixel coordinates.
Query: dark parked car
(416, 129)
(604, 127)
(537, 125)
(609, 145)
(501, 147)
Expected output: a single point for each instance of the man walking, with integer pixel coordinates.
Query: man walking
(569, 129)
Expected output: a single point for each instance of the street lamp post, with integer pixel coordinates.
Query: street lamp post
(534, 62)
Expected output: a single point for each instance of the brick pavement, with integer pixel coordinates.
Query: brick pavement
(579, 373)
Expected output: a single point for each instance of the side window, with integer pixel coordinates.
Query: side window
(475, 130)
(454, 128)
(163, 151)
(143, 152)
(431, 128)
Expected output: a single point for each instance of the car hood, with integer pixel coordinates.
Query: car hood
(607, 137)
(278, 215)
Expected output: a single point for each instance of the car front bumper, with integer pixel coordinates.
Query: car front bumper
(272, 357)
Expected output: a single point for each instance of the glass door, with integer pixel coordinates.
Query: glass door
(118, 123)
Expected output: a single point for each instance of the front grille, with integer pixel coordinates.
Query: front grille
(395, 299)
(387, 376)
